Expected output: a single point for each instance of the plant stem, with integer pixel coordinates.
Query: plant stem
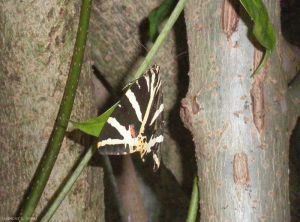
(193, 208)
(84, 161)
(161, 38)
(48, 160)
(68, 185)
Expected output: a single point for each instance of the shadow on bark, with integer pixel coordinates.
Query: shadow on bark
(178, 132)
(294, 166)
(291, 31)
(290, 21)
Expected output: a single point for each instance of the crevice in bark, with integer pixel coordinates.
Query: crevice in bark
(289, 50)
(294, 166)
(104, 84)
(190, 117)
(186, 114)
(257, 94)
(290, 31)
(177, 130)
(293, 101)
(143, 36)
(290, 20)
(230, 17)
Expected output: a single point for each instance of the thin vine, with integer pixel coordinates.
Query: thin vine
(54, 144)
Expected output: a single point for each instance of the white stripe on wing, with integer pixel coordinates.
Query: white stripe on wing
(135, 105)
(156, 114)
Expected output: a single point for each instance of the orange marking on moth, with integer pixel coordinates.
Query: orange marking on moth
(132, 131)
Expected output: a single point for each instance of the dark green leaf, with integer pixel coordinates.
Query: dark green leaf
(263, 29)
(158, 15)
(94, 126)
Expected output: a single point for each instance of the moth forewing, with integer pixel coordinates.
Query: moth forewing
(137, 122)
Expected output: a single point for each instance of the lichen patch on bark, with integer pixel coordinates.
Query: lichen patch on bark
(241, 169)
(230, 18)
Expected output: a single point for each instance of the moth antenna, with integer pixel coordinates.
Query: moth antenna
(143, 46)
(147, 50)
(182, 53)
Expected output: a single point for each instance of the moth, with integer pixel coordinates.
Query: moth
(136, 125)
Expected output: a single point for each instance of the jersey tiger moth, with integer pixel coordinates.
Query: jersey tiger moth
(136, 125)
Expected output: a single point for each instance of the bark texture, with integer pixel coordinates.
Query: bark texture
(37, 40)
(239, 124)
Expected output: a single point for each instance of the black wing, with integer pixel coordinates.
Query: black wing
(136, 125)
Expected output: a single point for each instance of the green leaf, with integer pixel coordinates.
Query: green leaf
(158, 15)
(194, 203)
(263, 29)
(94, 126)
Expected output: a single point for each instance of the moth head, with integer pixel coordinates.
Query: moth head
(155, 68)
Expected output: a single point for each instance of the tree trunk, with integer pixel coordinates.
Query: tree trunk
(239, 123)
(36, 49)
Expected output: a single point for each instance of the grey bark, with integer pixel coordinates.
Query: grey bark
(239, 124)
(37, 40)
